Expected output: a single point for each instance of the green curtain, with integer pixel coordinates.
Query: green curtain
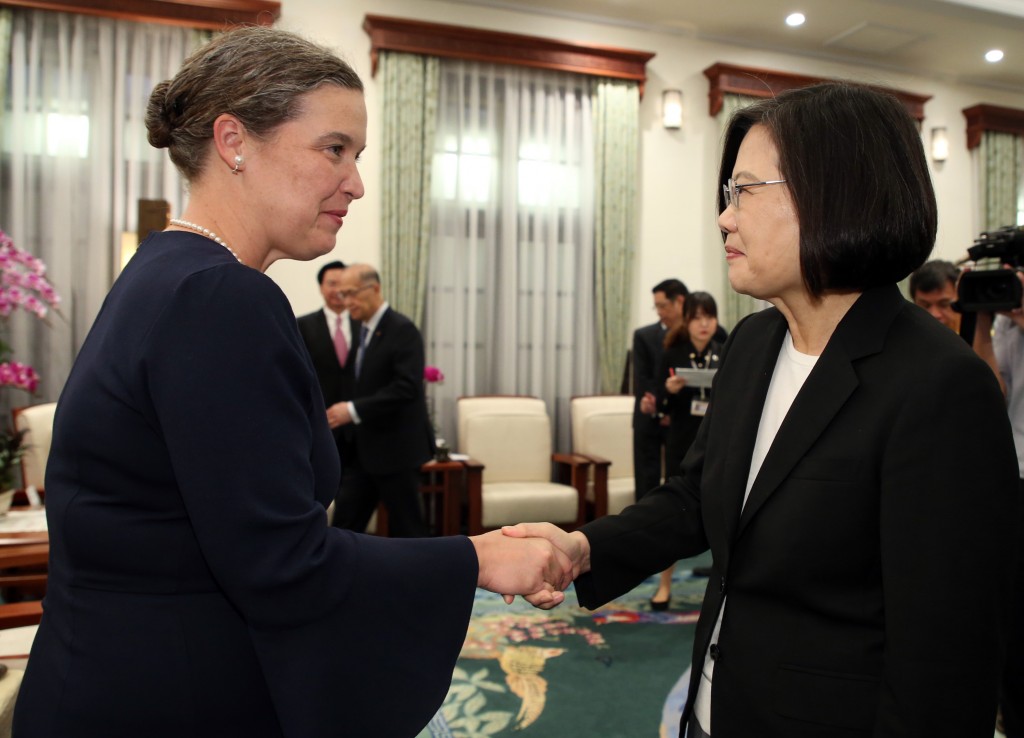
(409, 90)
(733, 306)
(5, 56)
(617, 142)
(1002, 169)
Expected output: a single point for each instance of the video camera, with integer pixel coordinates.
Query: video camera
(993, 289)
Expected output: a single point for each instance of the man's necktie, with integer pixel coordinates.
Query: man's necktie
(340, 344)
(364, 333)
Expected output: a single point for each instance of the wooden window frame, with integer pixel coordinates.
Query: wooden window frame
(982, 118)
(474, 44)
(208, 14)
(761, 83)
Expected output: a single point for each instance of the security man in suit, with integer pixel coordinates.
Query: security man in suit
(649, 430)
(328, 334)
(388, 412)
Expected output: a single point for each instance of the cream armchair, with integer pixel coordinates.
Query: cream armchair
(37, 422)
(602, 432)
(508, 441)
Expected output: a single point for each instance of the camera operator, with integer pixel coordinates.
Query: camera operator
(933, 288)
(1003, 349)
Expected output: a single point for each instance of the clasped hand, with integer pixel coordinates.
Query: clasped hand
(536, 560)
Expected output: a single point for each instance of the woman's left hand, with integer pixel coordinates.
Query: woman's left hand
(525, 566)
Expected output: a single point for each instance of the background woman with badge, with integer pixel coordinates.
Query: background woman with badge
(688, 346)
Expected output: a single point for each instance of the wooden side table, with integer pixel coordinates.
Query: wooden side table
(442, 484)
(442, 487)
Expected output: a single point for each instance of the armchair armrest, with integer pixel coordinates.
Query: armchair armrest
(601, 466)
(574, 470)
(17, 614)
(474, 496)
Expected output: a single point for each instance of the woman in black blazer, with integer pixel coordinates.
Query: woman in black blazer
(854, 477)
(690, 346)
(195, 588)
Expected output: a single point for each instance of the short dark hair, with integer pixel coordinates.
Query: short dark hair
(672, 288)
(856, 170)
(699, 302)
(933, 275)
(326, 268)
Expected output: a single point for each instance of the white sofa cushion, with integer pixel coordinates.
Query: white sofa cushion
(38, 421)
(512, 448)
(603, 426)
(508, 503)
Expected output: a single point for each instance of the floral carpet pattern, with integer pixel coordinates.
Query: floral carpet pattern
(616, 671)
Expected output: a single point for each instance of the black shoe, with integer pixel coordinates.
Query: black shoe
(702, 571)
(660, 606)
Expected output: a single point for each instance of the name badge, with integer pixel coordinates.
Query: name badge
(699, 407)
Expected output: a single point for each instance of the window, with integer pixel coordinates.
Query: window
(510, 297)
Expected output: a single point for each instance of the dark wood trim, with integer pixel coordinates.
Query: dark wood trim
(981, 118)
(753, 82)
(211, 14)
(459, 42)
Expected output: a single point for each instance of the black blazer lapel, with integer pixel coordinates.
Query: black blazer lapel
(379, 335)
(354, 327)
(321, 332)
(860, 333)
(743, 408)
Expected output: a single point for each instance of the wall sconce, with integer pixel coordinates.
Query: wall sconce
(940, 145)
(672, 109)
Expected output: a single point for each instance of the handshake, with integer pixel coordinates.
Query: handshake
(536, 560)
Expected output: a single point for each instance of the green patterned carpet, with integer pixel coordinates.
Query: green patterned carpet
(614, 672)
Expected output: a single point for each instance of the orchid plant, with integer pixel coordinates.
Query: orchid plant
(23, 286)
(433, 375)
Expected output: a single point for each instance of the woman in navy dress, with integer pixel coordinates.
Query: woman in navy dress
(195, 588)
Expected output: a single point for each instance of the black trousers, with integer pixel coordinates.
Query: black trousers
(1011, 699)
(399, 491)
(648, 461)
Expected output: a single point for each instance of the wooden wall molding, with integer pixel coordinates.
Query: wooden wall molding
(981, 118)
(459, 42)
(753, 82)
(210, 14)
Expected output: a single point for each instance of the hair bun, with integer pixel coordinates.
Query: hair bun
(160, 117)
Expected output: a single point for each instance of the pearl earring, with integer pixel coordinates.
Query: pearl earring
(239, 161)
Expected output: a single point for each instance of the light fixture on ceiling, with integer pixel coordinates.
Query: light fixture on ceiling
(994, 55)
(940, 144)
(672, 109)
(795, 19)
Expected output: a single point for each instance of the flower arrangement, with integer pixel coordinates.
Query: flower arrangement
(23, 285)
(433, 375)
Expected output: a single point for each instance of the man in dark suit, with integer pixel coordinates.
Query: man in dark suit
(649, 429)
(388, 412)
(328, 334)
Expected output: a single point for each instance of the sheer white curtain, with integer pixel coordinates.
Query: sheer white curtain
(75, 161)
(733, 306)
(510, 306)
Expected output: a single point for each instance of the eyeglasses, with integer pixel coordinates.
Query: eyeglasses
(345, 294)
(732, 191)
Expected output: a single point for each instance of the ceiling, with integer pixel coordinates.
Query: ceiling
(943, 39)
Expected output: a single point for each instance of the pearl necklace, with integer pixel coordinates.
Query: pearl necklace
(206, 232)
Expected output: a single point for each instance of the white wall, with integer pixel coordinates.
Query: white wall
(677, 233)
